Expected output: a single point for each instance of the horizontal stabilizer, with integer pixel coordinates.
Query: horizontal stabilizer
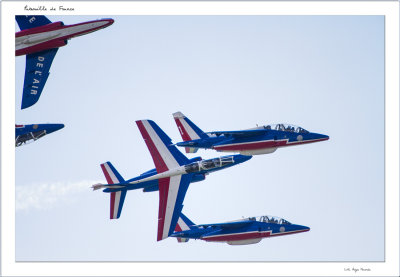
(117, 197)
(116, 203)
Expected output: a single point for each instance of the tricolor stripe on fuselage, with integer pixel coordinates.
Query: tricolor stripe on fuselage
(261, 144)
(248, 235)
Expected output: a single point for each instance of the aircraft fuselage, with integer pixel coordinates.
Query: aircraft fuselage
(54, 35)
(198, 168)
(247, 234)
(32, 132)
(254, 145)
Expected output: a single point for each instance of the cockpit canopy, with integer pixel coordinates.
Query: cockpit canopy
(209, 164)
(285, 127)
(29, 137)
(270, 219)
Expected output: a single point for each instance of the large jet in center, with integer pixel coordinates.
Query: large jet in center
(239, 232)
(40, 39)
(171, 177)
(32, 132)
(260, 140)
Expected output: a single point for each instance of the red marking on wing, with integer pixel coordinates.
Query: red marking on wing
(155, 154)
(112, 203)
(163, 187)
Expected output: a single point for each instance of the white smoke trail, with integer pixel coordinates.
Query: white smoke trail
(44, 196)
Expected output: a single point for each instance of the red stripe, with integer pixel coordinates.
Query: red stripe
(157, 158)
(233, 237)
(106, 174)
(163, 187)
(184, 133)
(112, 202)
(178, 227)
(295, 232)
(59, 26)
(244, 236)
(260, 145)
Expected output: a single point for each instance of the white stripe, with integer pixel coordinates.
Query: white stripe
(166, 155)
(116, 203)
(182, 224)
(258, 141)
(192, 134)
(250, 142)
(111, 173)
(174, 183)
(234, 234)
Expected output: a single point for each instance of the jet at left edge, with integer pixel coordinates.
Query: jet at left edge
(40, 39)
(28, 133)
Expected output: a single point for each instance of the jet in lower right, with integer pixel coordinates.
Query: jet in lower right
(28, 133)
(239, 232)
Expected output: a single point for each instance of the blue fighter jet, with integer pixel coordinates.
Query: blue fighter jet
(29, 133)
(171, 177)
(239, 232)
(256, 141)
(39, 39)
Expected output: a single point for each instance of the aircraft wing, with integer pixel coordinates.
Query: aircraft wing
(240, 134)
(172, 192)
(165, 155)
(31, 21)
(228, 225)
(36, 73)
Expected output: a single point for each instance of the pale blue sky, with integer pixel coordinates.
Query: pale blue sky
(324, 73)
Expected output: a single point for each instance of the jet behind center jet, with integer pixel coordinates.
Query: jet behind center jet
(239, 232)
(260, 140)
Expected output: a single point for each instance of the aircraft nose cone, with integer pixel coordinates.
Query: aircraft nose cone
(324, 137)
(242, 158)
(55, 127)
(303, 228)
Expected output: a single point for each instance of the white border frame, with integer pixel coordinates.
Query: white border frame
(388, 268)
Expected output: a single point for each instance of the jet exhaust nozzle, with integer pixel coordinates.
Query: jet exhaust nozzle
(97, 186)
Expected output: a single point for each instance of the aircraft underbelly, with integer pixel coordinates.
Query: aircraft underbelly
(244, 242)
(232, 237)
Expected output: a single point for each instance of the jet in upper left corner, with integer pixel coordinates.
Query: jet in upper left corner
(39, 39)
(33, 132)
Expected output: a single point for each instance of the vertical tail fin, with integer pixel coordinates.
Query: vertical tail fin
(116, 198)
(188, 130)
(183, 224)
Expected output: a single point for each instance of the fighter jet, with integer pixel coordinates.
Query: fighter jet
(28, 133)
(256, 141)
(171, 177)
(239, 232)
(40, 39)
